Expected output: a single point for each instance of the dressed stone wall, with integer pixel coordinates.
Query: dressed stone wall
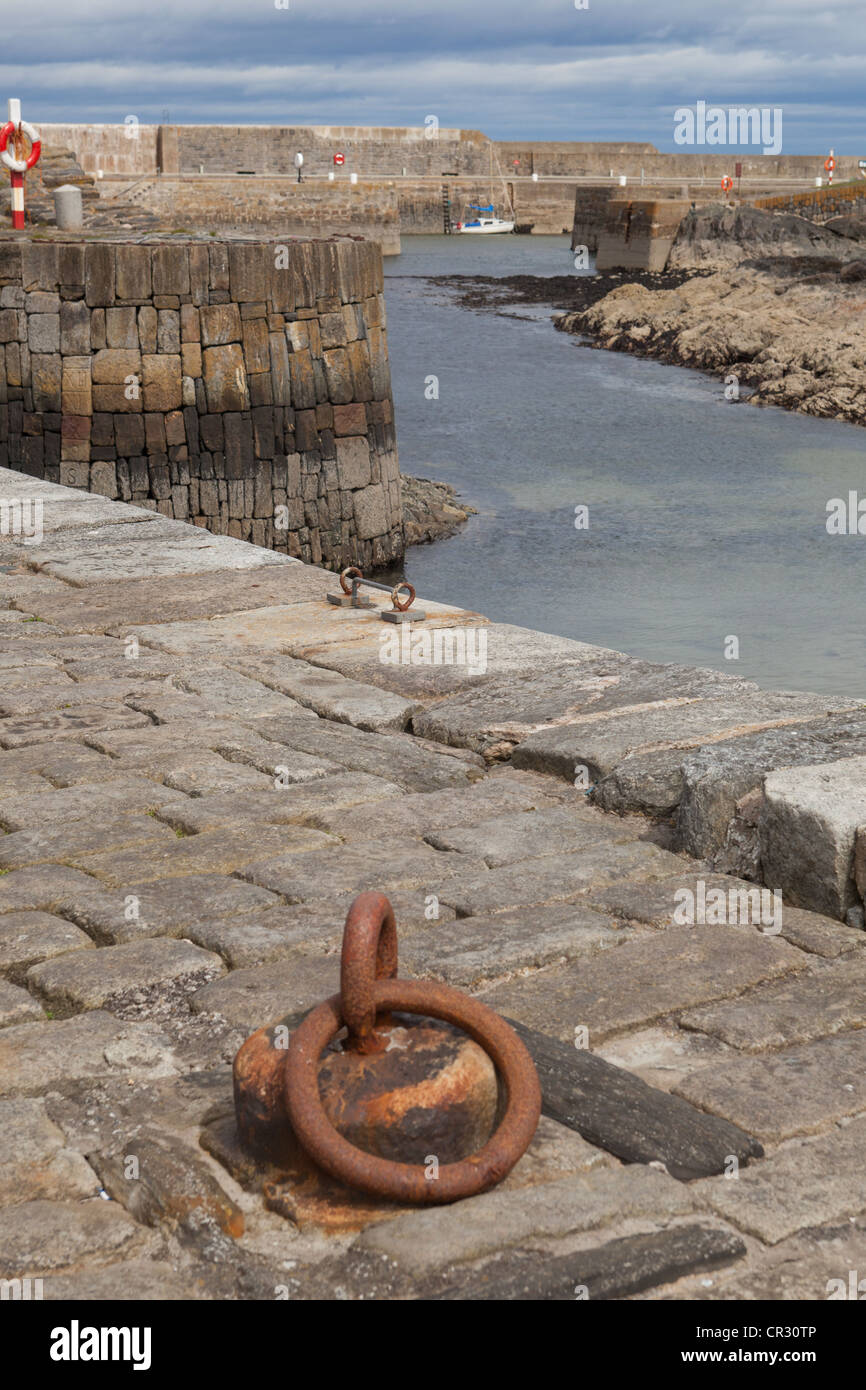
(242, 385)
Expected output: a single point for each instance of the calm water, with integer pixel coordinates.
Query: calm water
(707, 519)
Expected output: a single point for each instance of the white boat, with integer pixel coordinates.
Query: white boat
(483, 223)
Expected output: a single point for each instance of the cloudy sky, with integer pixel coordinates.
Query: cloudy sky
(539, 69)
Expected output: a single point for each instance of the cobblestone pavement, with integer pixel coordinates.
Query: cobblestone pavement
(202, 762)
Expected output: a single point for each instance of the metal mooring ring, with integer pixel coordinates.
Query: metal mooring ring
(348, 574)
(409, 1182)
(402, 607)
(369, 954)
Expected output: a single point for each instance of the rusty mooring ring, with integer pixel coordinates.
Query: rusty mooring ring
(369, 987)
(351, 573)
(369, 953)
(409, 1182)
(402, 607)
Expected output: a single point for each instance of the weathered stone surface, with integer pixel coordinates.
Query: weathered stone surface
(805, 1183)
(601, 744)
(111, 366)
(470, 950)
(645, 980)
(74, 327)
(159, 548)
(372, 515)
(248, 999)
(220, 323)
(123, 794)
(173, 1187)
(224, 378)
(207, 775)
(662, 1054)
(26, 938)
(614, 1270)
(394, 757)
(420, 813)
(132, 272)
(214, 851)
(118, 975)
(16, 1005)
(574, 680)
(161, 381)
(62, 724)
(39, 890)
(282, 805)
(801, 1090)
(354, 868)
(717, 777)
(506, 839)
(46, 371)
(555, 878)
(151, 1281)
(659, 903)
(508, 651)
(829, 1000)
(330, 694)
(167, 908)
(353, 462)
(157, 599)
(428, 1240)
(79, 838)
(272, 935)
(34, 1160)
(807, 827)
(43, 332)
(41, 1237)
(38, 1057)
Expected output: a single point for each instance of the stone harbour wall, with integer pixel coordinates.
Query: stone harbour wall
(639, 233)
(279, 206)
(241, 385)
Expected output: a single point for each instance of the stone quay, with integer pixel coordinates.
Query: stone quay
(202, 762)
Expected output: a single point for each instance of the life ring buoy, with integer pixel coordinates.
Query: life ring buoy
(20, 166)
(829, 163)
(727, 182)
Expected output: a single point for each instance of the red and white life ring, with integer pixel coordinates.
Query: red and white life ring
(829, 164)
(727, 183)
(20, 166)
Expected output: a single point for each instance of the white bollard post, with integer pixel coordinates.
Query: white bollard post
(68, 209)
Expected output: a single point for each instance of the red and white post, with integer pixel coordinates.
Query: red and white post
(18, 167)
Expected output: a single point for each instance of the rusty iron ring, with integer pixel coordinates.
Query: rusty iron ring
(352, 572)
(369, 953)
(401, 607)
(408, 1182)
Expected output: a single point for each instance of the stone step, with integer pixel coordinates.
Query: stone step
(807, 828)
(717, 777)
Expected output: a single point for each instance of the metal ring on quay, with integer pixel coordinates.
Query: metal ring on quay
(369, 953)
(351, 573)
(408, 1182)
(402, 607)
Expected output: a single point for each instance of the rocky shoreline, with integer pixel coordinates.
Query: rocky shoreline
(769, 298)
(773, 300)
(431, 510)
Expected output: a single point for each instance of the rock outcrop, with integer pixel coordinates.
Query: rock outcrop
(784, 314)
